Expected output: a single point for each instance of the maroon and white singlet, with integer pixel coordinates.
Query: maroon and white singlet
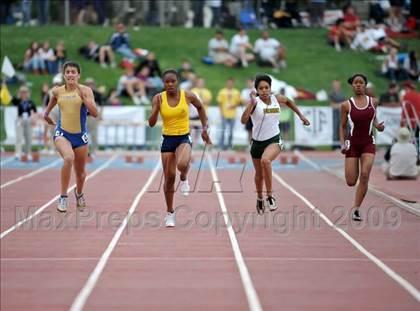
(361, 125)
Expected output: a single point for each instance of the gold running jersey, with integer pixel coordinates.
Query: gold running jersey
(176, 119)
(73, 113)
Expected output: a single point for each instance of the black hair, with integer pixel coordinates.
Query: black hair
(72, 64)
(168, 71)
(339, 21)
(351, 79)
(261, 77)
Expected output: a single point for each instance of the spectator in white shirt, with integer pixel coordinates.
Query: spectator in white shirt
(219, 50)
(239, 46)
(47, 55)
(403, 158)
(270, 51)
(365, 41)
(131, 86)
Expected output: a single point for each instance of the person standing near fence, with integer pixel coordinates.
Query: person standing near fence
(74, 101)
(359, 146)
(24, 122)
(229, 98)
(173, 106)
(266, 144)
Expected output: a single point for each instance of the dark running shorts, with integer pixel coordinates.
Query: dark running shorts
(258, 147)
(358, 146)
(170, 142)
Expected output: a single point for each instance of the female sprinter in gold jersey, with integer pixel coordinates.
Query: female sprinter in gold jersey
(172, 105)
(74, 101)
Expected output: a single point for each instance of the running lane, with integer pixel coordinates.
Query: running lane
(297, 262)
(44, 265)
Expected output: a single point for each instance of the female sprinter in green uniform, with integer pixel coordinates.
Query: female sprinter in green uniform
(266, 144)
(70, 138)
(172, 104)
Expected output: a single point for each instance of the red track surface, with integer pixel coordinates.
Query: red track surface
(292, 267)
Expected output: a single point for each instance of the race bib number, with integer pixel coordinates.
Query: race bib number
(58, 133)
(85, 138)
(373, 140)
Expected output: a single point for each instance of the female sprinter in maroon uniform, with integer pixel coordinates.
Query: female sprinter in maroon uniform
(360, 112)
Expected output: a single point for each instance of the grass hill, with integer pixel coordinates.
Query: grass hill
(312, 64)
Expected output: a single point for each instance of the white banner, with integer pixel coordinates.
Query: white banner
(320, 132)
(391, 118)
(119, 126)
(124, 126)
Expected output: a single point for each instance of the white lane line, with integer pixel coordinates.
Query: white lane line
(291, 259)
(80, 301)
(391, 273)
(6, 161)
(23, 177)
(371, 188)
(251, 294)
(43, 207)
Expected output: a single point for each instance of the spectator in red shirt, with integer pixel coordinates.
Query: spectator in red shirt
(338, 36)
(351, 21)
(413, 97)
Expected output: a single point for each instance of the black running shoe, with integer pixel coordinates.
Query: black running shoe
(271, 202)
(356, 216)
(260, 206)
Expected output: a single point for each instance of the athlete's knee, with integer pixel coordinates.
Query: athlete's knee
(265, 161)
(351, 181)
(182, 166)
(68, 159)
(364, 177)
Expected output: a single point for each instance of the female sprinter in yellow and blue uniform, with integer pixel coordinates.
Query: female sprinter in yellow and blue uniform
(70, 138)
(172, 105)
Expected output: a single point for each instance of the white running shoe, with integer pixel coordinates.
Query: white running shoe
(80, 200)
(63, 204)
(170, 220)
(185, 187)
(271, 202)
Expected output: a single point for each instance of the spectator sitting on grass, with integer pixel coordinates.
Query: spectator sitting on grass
(154, 71)
(239, 47)
(120, 42)
(411, 65)
(185, 70)
(48, 57)
(391, 97)
(392, 68)
(144, 76)
(219, 50)
(270, 52)
(351, 21)
(99, 53)
(131, 86)
(60, 55)
(365, 41)
(337, 36)
(32, 61)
